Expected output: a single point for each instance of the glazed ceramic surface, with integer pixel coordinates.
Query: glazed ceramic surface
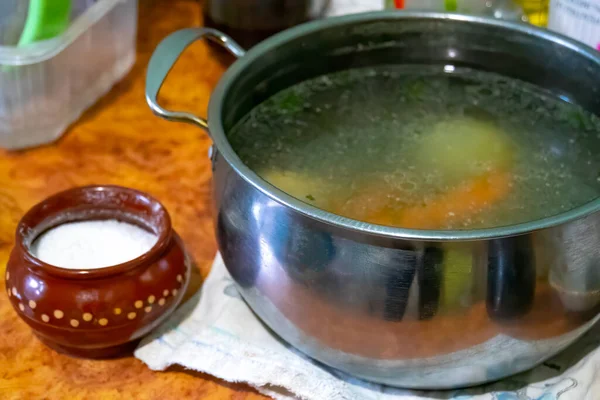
(99, 312)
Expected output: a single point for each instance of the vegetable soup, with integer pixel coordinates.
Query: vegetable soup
(419, 147)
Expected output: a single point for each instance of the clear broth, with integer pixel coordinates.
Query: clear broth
(421, 148)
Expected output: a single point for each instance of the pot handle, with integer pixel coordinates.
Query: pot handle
(164, 57)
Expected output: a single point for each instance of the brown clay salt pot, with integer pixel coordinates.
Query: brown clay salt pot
(97, 313)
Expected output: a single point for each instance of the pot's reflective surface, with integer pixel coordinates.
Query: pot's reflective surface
(384, 310)
(423, 309)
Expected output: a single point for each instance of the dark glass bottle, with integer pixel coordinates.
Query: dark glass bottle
(251, 21)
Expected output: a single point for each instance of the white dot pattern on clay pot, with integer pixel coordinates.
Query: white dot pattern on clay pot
(59, 314)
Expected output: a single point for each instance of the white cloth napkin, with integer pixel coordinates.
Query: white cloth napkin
(215, 332)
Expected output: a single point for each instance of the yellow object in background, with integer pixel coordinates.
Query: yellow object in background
(536, 11)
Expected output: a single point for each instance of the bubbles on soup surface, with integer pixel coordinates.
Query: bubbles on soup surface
(417, 148)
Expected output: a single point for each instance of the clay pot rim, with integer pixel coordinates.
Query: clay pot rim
(163, 229)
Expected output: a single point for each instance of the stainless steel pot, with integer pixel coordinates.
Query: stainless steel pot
(419, 309)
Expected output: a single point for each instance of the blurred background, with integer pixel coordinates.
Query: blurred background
(58, 58)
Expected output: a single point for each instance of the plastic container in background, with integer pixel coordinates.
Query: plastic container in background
(12, 20)
(46, 86)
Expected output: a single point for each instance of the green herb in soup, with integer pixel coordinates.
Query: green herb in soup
(418, 148)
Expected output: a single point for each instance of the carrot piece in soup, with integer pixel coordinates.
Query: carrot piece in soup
(467, 200)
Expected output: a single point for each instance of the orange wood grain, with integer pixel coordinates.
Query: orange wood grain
(119, 141)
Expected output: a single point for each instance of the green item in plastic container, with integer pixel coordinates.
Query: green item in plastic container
(45, 19)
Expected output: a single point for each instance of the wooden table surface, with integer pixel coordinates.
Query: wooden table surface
(119, 141)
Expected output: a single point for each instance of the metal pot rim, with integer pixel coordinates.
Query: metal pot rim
(229, 78)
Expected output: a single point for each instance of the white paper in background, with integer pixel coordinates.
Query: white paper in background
(579, 19)
(343, 7)
(215, 332)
